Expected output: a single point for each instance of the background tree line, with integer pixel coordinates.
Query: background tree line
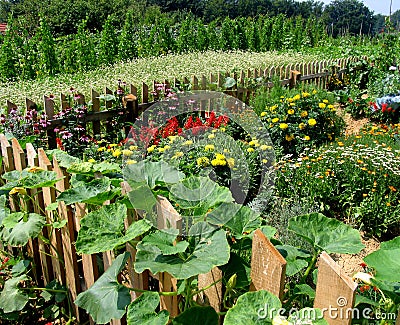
(64, 17)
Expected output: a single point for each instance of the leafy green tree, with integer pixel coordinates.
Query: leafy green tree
(348, 17)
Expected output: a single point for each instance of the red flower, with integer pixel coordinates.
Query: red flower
(363, 265)
(384, 107)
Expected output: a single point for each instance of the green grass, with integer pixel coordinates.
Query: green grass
(146, 70)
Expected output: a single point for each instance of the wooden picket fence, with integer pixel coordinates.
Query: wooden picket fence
(247, 83)
(334, 288)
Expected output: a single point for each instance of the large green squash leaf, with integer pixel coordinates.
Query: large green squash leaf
(4, 210)
(106, 299)
(166, 241)
(327, 234)
(199, 193)
(241, 220)
(197, 315)
(142, 311)
(208, 248)
(37, 179)
(256, 307)
(64, 159)
(141, 196)
(12, 298)
(386, 261)
(152, 173)
(103, 229)
(88, 168)
(95, 192)
(294, 258)
(18, 231)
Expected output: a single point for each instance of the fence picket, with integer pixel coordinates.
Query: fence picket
(49, 196)
(268, 267)
(94, 95)
(214, 294)
(334, 290)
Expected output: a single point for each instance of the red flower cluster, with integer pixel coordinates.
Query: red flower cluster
(385, 108)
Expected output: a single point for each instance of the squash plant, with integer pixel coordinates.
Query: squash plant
(217, 232)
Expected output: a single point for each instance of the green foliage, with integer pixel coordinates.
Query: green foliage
(326, 234)
(106, 299)
(141, 311)
(48, 63)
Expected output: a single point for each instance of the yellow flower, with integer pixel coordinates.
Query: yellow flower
(253, 142)
(273, 108)
(290, 111)
(302, 126)
(250, 149)
(265, 147)
(222, 129)
(19, 190)
(100, 149)
(304, 113)
(188, 142)
(209, 147)
(91, 160)
(340, 144)
(112, 145)
(325, 101)
(172, 138)
(219, 156)
(296, 97)
(177, 155)
(117, 153)
(151, 148)
(35, 169)
(321, 105)
(127, 152)
(264, 161)
(218, 162)
(305, 94)
(211, 136)
(133, 148)
(330, 106)
(263, 114)
(312, 122)
(131, 162)
(307, 138)
(289, 137)
(283, 126)
(203, 161)
(161, 150)
(274, 120)
(166, 147)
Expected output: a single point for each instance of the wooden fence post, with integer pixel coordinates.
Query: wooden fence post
(49, 109)
(49, 196)
(168, 217)
(68, 239)
(268, 267)
(214, 294)
(335, 292)
(294, 78)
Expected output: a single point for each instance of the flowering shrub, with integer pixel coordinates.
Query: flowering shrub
(356, 179)
(28, 127)
(303, 120)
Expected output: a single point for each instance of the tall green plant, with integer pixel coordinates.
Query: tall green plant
(48, 63)
(127, 48)
(107, 48)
